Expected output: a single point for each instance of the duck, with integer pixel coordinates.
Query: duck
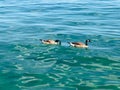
(80, 44)
(56, 42)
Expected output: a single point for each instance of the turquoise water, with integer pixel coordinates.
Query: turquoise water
(26, 64)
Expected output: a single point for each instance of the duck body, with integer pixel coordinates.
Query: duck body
(79, 44)
(50, 41)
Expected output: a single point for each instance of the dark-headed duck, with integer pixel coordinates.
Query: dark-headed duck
(51, 41)
(80, 44)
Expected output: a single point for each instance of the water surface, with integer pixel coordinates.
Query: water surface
(26, 64)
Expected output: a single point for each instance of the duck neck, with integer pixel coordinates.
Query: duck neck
(59, 42)
(86, 42)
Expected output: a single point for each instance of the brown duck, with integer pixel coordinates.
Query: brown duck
(80, 44)
(51, 42)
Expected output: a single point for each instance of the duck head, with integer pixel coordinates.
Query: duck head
(58, 41)
(86, 42)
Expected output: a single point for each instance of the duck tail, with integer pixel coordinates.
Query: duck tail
(41, 40)
(68, 42)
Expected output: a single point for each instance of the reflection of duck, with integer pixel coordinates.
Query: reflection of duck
(79, 44)
(50, 41)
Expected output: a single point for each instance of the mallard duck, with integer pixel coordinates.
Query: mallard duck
(51, 41)
(80, 44)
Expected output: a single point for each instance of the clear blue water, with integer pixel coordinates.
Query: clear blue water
(26, 64)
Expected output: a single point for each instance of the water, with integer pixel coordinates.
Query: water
(26, 64)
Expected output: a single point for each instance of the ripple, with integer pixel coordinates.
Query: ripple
(27, 64)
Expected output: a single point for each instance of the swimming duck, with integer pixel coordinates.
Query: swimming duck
(51, 41)
(80, 44)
